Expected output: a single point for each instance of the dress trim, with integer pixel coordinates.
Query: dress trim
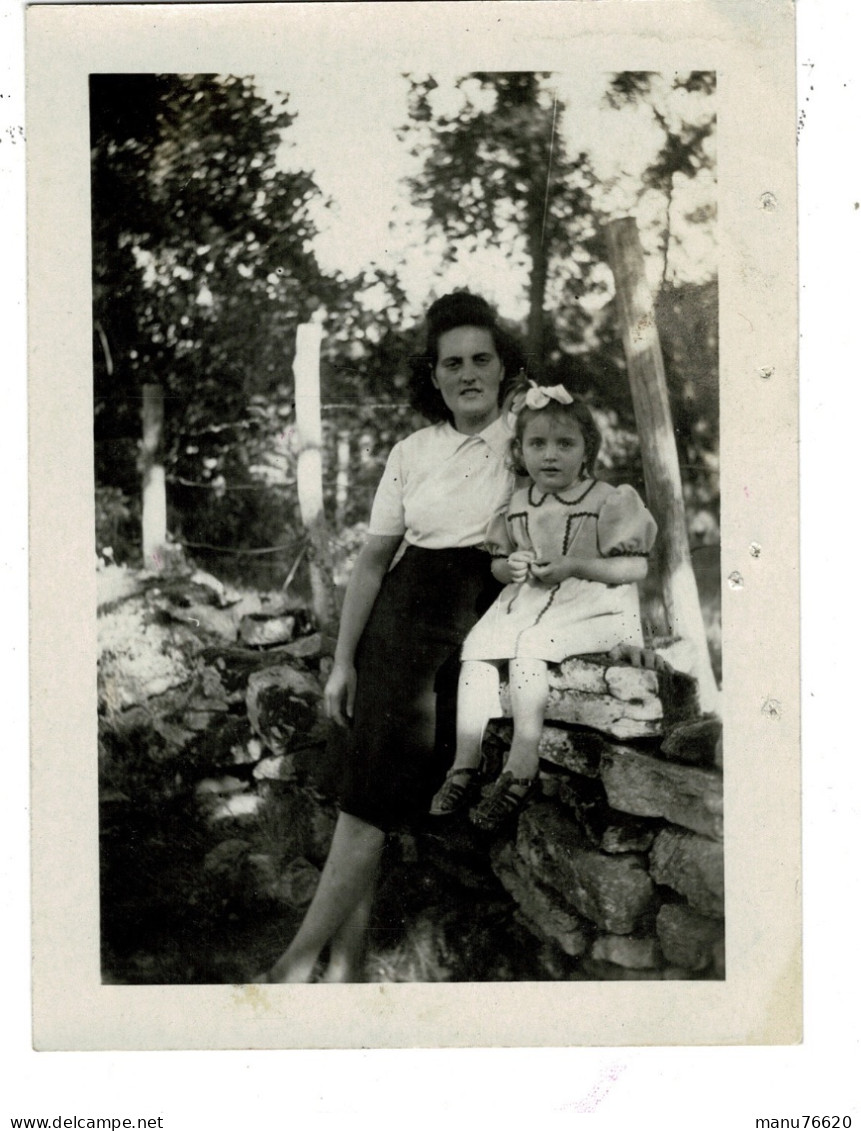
(567, 538)
(525, 516)
(558, 496)
(542, 611)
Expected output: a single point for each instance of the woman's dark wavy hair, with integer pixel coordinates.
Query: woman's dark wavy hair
(449, 313)
(579, 410)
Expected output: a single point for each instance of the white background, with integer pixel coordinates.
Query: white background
(670, 1088)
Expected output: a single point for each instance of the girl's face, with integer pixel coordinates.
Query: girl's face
(552, 449)
(468, 374)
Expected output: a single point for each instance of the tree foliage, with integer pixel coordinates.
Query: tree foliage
(495, 172)
(203, 267)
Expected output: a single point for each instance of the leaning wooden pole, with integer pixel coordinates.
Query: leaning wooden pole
(658, 447)
(309, 472)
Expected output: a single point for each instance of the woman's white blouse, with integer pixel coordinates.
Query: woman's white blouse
(440, 488)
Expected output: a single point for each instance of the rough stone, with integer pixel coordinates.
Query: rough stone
(205, 619)
(623, 950)
(260, 631)
(694, 742)
(298, 882)
(578, 751)
(227, 858)
(305, 648)
(222, 594)
(687, 938)
(261, 875)
(598, 971)
(219, 787)
(239, 807)
(543, 914)
(175, 735)
(586, 799)
(720, 959)
(629, 834)
(140, 659)
(618, 700)
(648, 787)
(115, 584)
(247, 753)
(282, 701)
(614, 892)
(278, 767)
(692, 866)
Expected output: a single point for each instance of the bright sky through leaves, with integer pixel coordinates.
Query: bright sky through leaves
(344, 135)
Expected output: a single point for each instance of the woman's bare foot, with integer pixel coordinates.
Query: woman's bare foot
(291, 969)
(344, 971)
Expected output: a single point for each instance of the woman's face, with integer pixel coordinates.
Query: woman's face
(468, 374)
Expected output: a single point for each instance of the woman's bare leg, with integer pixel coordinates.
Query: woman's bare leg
(477, 703)
(347, 876)
(527, 681)
(348, 948)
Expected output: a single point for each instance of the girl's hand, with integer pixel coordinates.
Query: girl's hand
(339, 694)
(519, 563)
(553, 571)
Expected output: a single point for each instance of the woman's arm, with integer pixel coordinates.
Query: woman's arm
(620, 570)
(373, 561)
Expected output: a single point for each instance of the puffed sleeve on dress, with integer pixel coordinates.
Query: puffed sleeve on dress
(625, 526)
(497, 540)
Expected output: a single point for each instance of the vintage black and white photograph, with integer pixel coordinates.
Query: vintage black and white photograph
(407, 392)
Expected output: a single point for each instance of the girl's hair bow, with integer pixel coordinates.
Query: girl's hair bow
(538, 396)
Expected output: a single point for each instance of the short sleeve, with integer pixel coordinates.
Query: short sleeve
(387, 512)
(497, 540)
(625, 526)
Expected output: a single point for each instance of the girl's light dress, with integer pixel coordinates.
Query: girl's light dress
(590, 519)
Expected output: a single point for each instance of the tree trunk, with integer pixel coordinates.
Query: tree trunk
(658, 446)
(537, 286)
(154, 509)
(309, 473)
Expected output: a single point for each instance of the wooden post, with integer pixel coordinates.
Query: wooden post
(342, 482)
(154, 509)
(309, 471)
(658, 446)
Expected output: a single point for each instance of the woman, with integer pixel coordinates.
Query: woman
(395, 665)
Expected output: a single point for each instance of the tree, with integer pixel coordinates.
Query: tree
(683, 112)
(203, 268)
(495, 173)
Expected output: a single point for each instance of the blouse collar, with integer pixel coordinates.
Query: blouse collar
(496, 435)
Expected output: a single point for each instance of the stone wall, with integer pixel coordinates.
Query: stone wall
(620, 861)
(613, 871)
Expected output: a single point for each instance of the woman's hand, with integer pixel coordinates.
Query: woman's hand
(339, 694)
(519, 563)
(553, 571)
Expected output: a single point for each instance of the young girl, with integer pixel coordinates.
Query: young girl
(569, 550)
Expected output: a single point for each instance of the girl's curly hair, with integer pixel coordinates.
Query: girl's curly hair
(579, 410)
(449, 313)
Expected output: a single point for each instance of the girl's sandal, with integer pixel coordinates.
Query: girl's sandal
(456, 792)
(502, 802)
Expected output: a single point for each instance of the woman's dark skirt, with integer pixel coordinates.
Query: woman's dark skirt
(402, 739)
